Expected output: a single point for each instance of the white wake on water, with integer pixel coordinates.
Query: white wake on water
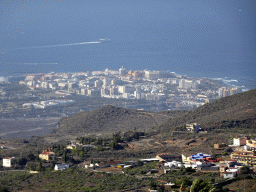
(58, 45)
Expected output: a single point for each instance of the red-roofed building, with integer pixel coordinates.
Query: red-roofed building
(46, 155)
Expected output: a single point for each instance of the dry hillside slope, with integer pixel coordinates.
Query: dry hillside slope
(233, 111)
(111, 119)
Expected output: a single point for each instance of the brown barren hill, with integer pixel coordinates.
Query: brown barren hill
(238, 110)
(111, 119)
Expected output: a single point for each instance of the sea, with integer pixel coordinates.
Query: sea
(99, 54)
(204, 39)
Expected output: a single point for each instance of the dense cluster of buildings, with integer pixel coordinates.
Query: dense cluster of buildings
(48, 103)
(174, 90)
(227, 91)
(244, 151)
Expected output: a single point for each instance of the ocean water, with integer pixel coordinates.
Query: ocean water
(75, 57)
(190, 37)
(211, 39)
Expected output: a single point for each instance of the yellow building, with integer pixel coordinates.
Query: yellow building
(185, 159)
(46, 155)
(245, 157)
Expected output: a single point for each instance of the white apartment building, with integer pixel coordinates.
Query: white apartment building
(7, 162)
(239, 141)
(152, 74)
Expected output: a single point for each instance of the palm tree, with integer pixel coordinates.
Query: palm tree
(199, 185)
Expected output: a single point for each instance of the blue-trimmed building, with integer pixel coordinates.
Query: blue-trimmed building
(200, 156)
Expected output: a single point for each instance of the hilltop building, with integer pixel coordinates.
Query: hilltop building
(193, 127)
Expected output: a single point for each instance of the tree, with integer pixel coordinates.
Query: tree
(245, 170)
(114, 145)
(40, 166)
(64, 157)
(99, 141)
(117, 136)
(201, 186)
(52, 164)
(139, 163)
(153, 184)
(32, 167)
(3, 189)
(31, 156)
(20, 161)
(161, 188)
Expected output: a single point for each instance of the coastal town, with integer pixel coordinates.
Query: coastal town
(152, 158)
(140, 89)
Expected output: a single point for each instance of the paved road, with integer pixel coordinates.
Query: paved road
(13, 171)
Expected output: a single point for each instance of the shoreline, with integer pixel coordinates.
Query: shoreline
(238, 81)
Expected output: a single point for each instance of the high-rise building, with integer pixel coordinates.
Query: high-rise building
(44, 85)
(239, 90)
(106, 81)
(137, 74)
(226, 93)
(94, 93)
(152, 74)
(182, 84)
(113, 91)
(104, 91)
(222, 91)
(98, 83)
(137, 95)
(122, 71)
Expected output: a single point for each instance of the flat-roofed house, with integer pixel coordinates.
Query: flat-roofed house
(239, 141)
(7, 162)
(230, 173)
(193, 127)
(61, 167)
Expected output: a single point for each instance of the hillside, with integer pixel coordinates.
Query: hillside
(229, 112)
(111, 119)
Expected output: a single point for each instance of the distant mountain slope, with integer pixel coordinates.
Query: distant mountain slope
(233, 111)
(111, 119)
